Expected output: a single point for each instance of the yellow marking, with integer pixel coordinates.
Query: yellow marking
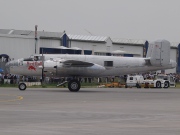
(15, 98)
(20, 97)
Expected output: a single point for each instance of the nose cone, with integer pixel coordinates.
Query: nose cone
(9, 65)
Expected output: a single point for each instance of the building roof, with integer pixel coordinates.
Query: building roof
(174, 44)
(128, 41)
(83, 38)
(88, 38)
(40, 34)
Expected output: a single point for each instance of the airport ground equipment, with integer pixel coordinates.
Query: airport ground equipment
(134, 81)
(159, 81)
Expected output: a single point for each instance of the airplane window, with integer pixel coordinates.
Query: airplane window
(36, 58)
(108, 63)
(28, 59)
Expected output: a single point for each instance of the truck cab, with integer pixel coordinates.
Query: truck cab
(134, 81)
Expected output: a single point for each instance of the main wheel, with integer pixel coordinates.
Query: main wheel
(166, 84)
(74, 85)
(158, 84)
(22, 86)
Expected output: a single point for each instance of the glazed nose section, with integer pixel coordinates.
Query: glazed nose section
(10, 65)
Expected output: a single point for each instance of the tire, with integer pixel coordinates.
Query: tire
(166, 84)
(138, 86)
(22, 86)
(74, 85)
(158, 84)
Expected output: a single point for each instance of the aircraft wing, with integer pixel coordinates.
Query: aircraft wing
(76, 63)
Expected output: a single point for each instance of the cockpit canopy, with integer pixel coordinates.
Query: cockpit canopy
(34, 58)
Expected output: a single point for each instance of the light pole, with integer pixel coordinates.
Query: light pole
(35, 37)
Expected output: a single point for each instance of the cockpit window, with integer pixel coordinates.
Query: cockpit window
(37, 58)
(28, 59)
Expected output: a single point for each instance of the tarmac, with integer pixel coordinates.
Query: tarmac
(91, 111)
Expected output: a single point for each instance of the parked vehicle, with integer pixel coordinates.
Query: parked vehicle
(170, 78)
(159, 81)
(134, 81)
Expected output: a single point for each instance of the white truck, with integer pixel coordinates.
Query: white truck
(134, 81)
(169, 78)
(159, 81)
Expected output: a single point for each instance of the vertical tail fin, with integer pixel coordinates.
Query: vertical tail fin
(159, 53)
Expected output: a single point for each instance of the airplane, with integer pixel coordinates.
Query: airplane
(78, 66)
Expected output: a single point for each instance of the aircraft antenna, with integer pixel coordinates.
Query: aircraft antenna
(88, 32)
(42, 75)
(35, 37)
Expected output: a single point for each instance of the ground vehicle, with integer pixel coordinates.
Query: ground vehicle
(159, 81)
(170, 78)
(134, 81)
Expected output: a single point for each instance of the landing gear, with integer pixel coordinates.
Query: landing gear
(22, 86)
(74, 85)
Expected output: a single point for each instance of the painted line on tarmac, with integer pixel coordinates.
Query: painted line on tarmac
(14, 98)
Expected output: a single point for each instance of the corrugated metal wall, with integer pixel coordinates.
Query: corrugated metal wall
(17, 47)
(24, 46)
(48, 43)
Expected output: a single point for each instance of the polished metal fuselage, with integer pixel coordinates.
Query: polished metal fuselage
(53, 66)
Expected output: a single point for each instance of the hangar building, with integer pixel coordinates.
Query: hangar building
(23, 43)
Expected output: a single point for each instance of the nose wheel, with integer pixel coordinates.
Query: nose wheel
(74, 85)
(22, 86)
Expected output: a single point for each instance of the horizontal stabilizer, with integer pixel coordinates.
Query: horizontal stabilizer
(75, 63)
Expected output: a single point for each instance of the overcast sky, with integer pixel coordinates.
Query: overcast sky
(131, 19)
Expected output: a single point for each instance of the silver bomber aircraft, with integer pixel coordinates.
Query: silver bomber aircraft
(77, 66)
